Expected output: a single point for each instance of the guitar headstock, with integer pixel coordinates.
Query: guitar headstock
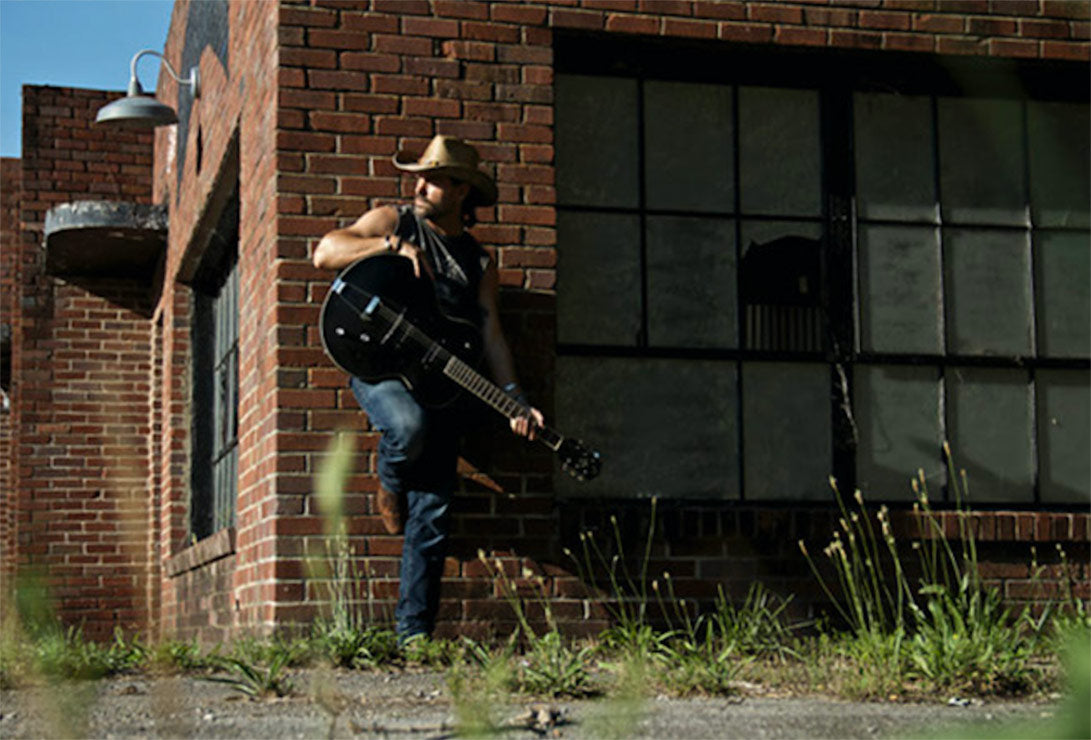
(579, 460)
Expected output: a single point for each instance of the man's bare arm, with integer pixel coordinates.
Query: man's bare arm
(342, 247)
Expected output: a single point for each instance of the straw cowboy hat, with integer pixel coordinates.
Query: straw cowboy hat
(449, 156)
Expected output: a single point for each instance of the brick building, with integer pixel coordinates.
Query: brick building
(744, 246)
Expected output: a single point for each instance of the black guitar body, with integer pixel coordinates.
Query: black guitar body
(370, 322)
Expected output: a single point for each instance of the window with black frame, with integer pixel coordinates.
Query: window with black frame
(215, 387)
(732, 327)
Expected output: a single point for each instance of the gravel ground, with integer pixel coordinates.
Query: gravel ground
(413, 705)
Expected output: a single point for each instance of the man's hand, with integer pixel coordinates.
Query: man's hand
(413, 253)
(525, 425)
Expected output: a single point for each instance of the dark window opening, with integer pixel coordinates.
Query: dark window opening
(215, 342)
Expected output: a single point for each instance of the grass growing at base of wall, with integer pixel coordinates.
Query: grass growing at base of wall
(942, 633)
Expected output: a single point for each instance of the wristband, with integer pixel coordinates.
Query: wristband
(513, 390)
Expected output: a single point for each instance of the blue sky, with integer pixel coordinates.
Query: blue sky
(73, 43)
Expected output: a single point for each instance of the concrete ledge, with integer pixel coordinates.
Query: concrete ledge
(216, 546)
(104, 239)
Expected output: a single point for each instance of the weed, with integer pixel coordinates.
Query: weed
(436, 653)
(756, 627)
(478, 690)
(628, 602)
(254, 680)
(552, 667)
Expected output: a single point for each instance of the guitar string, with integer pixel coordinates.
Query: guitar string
(458, 370)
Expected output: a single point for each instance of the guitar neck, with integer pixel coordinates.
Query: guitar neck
(481, 387)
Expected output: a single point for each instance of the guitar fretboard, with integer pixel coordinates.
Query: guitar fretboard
(475, 383)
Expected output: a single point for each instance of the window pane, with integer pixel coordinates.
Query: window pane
(691, 282)
(990, 432)
(598, 278)
(982, 168)
(781, 286)
(689, 146)
(664, 427)
(596, 140)
(895, 157)
(901, 295)
(779, 151)
(1062, 267)
(1060, 163)
(899, 416)
(988, 293)
(1064, 435)
(787, 438)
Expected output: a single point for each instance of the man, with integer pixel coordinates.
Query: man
(418, 449)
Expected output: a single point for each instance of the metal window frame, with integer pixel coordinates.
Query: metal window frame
(836, 76)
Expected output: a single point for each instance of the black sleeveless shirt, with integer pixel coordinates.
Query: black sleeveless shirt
(458, 264)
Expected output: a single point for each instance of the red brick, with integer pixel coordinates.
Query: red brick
(750, 33)
(855, 39)
(417, 46)
(632, 24)
(1013, 48)
(666, 7)
(1077, 10)
(991, 26)
(1014, 7)
(908, 42)
(803, 36)
(470, 50)
(774, 13)
(884, 20)
(1080, 52)
(959, 45)
(576, 19)
(461, 9)
(334, 39)
(692, 29)
(521, 14)
(496, 32)
(402, 7)
(939, 23)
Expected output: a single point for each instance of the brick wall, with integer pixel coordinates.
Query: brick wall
(80, 376)
(229, 137)
(10, 185)
(360, 80)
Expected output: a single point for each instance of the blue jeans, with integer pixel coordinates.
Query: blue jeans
(418, 458)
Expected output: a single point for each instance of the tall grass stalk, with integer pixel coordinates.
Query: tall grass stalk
(628, 594)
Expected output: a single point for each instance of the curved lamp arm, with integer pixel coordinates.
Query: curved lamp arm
(134, 83)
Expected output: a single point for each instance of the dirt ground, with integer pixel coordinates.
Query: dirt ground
(418, 705)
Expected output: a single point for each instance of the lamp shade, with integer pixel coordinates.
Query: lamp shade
(136, 112)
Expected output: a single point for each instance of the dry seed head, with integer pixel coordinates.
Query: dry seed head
(858, 496)
(803, 548)
(528, 573)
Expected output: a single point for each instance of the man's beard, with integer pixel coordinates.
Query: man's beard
(424, 208)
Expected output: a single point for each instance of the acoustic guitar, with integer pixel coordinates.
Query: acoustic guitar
(379, 321)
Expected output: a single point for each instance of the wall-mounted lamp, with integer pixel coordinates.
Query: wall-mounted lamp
(138, 110)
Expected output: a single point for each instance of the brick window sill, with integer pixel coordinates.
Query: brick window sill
(212, 548)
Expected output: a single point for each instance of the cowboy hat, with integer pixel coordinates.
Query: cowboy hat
(446, 155)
